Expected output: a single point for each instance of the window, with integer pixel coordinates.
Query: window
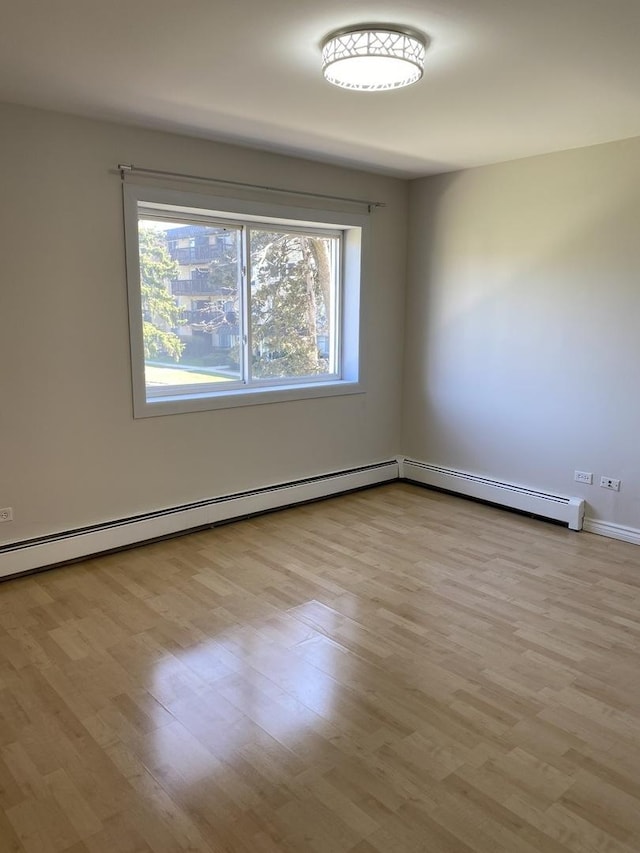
(235, 302)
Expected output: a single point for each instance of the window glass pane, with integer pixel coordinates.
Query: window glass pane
(189, 278)
(293, 304)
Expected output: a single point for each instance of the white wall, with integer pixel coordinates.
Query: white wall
(71, 453)
(523, 323)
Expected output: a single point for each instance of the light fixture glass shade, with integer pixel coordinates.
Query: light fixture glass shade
(373, 58)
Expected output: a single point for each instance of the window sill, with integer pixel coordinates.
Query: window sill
(244, 397)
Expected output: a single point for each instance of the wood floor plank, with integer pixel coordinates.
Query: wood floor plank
(390, 671)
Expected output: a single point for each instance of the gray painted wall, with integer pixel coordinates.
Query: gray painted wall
(71, 453)
(523, 323)
(521, 333)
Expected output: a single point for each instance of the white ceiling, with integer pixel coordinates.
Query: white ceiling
(504, 78)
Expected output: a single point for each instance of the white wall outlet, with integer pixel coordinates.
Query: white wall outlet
(610, 483)
(583, 477)
(6, 514)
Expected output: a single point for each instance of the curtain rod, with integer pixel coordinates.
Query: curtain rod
(129, 168)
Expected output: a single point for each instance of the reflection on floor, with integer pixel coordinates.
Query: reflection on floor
(394, 670)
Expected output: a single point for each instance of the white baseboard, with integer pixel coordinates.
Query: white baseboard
(19, 557)
(612, 531)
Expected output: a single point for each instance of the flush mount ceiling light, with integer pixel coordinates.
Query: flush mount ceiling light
(374, 57)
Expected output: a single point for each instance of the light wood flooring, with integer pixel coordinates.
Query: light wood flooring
(390, 671)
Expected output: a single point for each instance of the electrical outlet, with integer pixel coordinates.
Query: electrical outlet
(6, 514)
(610, 483)
(583, 477)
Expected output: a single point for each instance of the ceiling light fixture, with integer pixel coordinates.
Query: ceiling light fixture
(373, 57)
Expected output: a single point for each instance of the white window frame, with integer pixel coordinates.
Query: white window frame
(354, 231)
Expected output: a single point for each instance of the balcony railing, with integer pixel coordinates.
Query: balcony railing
(194, 285)
(196, 317)
(194, 254)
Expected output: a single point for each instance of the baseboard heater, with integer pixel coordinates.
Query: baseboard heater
(557, 507)
(19, 557)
